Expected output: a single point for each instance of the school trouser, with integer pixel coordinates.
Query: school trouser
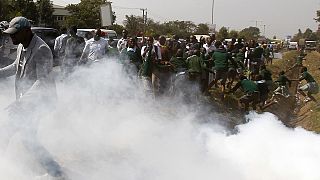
(160, 81)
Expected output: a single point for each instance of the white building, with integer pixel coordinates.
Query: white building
(60, 14)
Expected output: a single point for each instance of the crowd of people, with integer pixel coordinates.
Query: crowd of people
(205, 63)
(164, 65)
(210, 64)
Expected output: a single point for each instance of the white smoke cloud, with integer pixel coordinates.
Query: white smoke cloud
(105, 127)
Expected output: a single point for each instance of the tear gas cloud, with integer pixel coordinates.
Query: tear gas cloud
(105, 127)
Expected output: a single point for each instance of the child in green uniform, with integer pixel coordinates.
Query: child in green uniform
(239, 59)
(267, 54)
(251, 92)
(195, 68)
(221, 60)
(178, 62)
(267, 76)
(195, 65)
(131, 56)
(299, 60)
(284, 84)
(311, 87)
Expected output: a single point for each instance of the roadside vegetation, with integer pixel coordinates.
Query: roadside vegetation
(308, 115)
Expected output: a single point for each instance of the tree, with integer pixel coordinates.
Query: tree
(45, 10)
(233, 34)
(26, 8)
(202, 29)
(250, 33)
(308, 34)
(181, 28)
(298, 36)
(153, 28)
(223, 34)
(85, 14)
(133, 24)
(5, 7)
(117, 28)
(300, 33)
(318, 17)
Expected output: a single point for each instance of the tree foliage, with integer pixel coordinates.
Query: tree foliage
(222, 34)
(5, 8)
(136, 27)
(202, 29)
(308, 35)
(133, 24)
(45, 11)
(250, 33)
(34, 11)
(318, 16)
(86, 14)
(26, 8)
(233, 34)
(117, 28)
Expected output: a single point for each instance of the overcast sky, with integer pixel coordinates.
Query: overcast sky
(280, 17)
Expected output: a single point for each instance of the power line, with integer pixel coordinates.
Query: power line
(156, 15)
(256, 21)
(134, 8)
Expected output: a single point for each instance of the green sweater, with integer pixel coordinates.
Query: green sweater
(306, 76)
(257, 52)
(178, 63)
(221, 58)
(240, 59)
(282, 80)
(266, 75)
(146, 67)
(194, 64)
(133, 56)
(247, 86)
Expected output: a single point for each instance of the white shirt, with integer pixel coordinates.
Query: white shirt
(58, 42)
(96, 49)
(156, 43)
(131, 49)
(153, 51)
(122, 44)
(209, 48)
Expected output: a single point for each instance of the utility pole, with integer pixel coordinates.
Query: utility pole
(144, 18)
(212, 12)
(142, 14)
(257, 23)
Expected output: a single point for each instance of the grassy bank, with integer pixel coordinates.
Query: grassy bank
(308, 116)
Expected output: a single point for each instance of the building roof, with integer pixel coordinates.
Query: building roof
(60, 11)
(57, 6)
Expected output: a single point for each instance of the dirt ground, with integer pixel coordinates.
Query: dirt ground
(308, 115)
(291, 113)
